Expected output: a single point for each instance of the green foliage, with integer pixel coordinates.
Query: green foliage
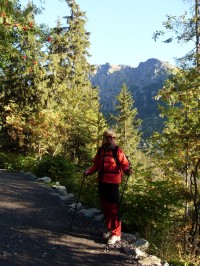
(177, 148)
(154, 205)
(48, 105)
(126, 122)
(22, 77)
(89, 194)
(49, 109)
(55, 167)
(181, 29)
(7, 161)
(151, 205)
(26, 163)
(178, 263)
(12, 161)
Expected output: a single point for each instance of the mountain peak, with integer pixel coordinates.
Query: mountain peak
(108, 68)
(143, 82)
(151, 64)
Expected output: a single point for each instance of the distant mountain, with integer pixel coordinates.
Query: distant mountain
(143, 81)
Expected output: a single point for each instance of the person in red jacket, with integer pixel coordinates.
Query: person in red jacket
(110, 171)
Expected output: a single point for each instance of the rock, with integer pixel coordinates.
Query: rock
(55, 194)
(73, 206)
(30, 174)
(165, 263)
(138, 253)
(150, 260)
(99, 218)
(127, 250)
(141, 243)
(67, 197)
(129, 237)
(89, 212)
(60, 189)
(44, 179)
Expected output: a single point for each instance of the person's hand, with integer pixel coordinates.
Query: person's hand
(86, 173)
(128, 172)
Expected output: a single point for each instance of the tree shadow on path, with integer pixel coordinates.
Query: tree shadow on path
(34, 228)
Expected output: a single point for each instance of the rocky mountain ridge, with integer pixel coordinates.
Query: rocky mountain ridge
(143, 82)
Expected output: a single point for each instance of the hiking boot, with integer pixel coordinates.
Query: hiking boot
(114, 239)
(107, 235)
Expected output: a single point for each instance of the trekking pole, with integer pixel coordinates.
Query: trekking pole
(122, 195)
(70, 227)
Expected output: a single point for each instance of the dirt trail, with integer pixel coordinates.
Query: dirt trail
(34, 229)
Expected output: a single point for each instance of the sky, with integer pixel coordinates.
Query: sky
(122, 30)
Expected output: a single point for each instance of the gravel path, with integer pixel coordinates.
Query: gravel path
(34, 229)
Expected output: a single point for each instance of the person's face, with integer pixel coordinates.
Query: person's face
(110, 140)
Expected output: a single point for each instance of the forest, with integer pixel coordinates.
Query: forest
(51, 124)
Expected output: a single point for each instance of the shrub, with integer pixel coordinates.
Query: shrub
(12, 161)
(56, 167)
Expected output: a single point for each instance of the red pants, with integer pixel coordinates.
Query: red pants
(109, 198)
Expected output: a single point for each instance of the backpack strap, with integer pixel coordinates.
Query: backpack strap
(102, 166)
(99, 150)
(114, 152)
(115, 156)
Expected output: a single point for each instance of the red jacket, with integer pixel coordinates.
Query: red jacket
(105, 164)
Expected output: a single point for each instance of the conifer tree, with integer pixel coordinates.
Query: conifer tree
(20, 81)
(70, 92)
(48, 104)
(7, 20)
(80, 96)
(178, 146)
(127, 124)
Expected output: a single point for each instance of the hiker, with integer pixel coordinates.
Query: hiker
(110, 171)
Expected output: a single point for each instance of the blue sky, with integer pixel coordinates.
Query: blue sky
(121, 31)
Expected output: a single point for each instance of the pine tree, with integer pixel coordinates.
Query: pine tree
(70, 92)
(178, 146)
(48, 104)
(127, 124)
(21, 81)
(183, 29)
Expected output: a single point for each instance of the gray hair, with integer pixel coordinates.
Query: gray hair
(106, 134)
